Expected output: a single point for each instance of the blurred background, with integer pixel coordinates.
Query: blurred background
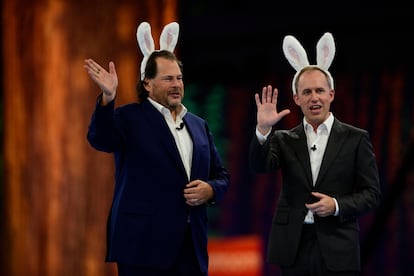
(56, 190)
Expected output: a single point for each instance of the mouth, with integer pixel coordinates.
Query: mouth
(175, 95)
(315, 108)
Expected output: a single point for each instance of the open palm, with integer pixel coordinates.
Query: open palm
(107, 81)
(267, 114)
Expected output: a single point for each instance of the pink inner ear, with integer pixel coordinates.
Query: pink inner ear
(325, 50)
(294, 54)
(169, 39)
(147, 40)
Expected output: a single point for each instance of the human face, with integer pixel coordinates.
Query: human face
(314, 96)
(167, 86)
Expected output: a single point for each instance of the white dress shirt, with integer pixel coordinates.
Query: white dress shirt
(181, 135)
(316, 141)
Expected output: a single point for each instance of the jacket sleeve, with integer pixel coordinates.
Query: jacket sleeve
(367, 191)
(219, 177)
(101, 132)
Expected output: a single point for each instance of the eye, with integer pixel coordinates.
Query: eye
(168, 78)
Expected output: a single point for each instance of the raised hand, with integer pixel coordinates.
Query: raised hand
(107, 81)
(267, 114)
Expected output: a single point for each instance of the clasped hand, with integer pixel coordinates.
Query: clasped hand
(197, 192)
(324, 205)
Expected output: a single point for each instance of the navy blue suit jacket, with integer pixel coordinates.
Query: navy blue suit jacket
(149, 215)
(348, 173)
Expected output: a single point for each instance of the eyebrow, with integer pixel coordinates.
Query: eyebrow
(171, 76)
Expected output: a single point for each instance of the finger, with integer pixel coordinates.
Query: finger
(91, 64)
(257, 99)
(269, 94)
(193, 183)
(88, 66)
(98, 68)
(264, 95)
(318, 195)
(275, 93)
(193, 202)
(94, 66)
(284, 112)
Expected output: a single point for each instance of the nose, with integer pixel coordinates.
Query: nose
(314, 96)
(177, 82)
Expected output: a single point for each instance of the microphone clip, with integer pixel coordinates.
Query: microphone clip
(180, 127)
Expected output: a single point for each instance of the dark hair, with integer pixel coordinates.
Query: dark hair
(151, 71)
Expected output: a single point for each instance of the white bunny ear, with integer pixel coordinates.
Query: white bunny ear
(325, 51)
(295, 53)
(169, 36)
(144, 38)
(146, 44)
(168, 40)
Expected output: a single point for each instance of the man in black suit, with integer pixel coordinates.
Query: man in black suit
(330, 178)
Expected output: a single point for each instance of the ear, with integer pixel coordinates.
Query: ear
(144, 38)
(325, 51)
(169, 36)
(332, 94)
(295, 53)
(296, 99)
(146, 83)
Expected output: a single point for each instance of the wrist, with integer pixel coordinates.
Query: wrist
(263, 130)
(106, 98)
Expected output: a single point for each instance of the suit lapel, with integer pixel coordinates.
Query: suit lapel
(300, 147)
(163, 134)
(191, 128)
(335, 141)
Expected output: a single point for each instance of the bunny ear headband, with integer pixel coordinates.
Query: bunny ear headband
(296, 55)
(168, 40)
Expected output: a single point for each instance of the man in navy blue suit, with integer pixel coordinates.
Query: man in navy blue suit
(167, 172)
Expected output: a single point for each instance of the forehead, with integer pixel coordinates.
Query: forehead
(312, 76)
(168, 67)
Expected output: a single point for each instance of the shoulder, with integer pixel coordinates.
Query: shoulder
(192, 118)
(345, 127)
(295, 132)
(133, 107)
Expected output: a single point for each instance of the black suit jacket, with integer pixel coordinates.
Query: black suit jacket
(348, 173)
(148, 216)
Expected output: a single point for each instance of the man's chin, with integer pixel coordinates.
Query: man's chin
(174, 104)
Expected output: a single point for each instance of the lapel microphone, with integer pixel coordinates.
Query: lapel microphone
(313, 148)
(180, 127)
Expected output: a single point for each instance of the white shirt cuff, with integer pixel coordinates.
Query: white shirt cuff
(336, 208)
(260, 137)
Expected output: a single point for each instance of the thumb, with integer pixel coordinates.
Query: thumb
(318, 195)
(284, 112)
(112, 67)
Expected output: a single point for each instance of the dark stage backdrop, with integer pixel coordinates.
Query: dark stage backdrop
(235, 47)
(56, 190)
